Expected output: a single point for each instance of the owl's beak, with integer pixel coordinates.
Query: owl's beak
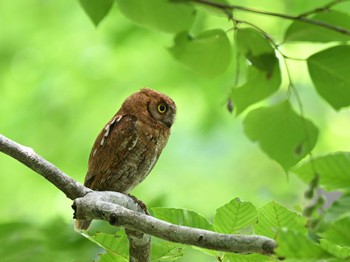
(168, 122)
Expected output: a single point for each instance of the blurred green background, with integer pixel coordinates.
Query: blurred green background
(61, 80)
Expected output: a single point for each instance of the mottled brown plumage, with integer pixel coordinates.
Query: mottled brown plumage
(128, 147)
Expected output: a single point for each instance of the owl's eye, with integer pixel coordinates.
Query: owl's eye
(162, 108)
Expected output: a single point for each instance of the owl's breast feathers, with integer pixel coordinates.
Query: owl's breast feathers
(124, 153)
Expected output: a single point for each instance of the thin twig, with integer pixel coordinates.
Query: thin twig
(324, 8)
(304, 19)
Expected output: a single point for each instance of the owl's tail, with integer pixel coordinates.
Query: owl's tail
(82, 224)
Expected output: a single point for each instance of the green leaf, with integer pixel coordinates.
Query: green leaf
(96, 9)
(338, 232)
(252, 43)
(115, 245)
(338, 208)
(247, 258)
(299, 31)
(329, 71)
(258, 87)
(282, 134)
(182, 217)
(333, 170)
(234, 216)
(335, 250)
(208, 54)
(264, 76)
(274, 217)
(111, 257)
(161, 15)
(166, 251)
(291, 244)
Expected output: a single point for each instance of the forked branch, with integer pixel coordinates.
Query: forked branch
(121, 210)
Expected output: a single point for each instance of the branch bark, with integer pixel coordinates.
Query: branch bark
(29, 158)
(121, 210)
(140, 244)
(97, 206)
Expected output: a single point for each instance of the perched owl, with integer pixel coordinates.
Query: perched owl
(128, 147)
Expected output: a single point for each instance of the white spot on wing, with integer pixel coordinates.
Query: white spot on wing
(117, 119)
(108, 128)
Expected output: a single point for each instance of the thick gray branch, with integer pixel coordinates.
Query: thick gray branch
(121, 210)
(139, 242)
(28, 157)
(94, 207)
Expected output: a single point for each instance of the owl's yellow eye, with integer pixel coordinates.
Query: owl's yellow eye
(162, 108)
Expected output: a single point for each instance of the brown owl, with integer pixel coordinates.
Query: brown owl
(128, 147)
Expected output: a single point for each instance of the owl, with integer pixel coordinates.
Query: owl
(128, 147)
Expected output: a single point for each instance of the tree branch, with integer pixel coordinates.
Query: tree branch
(121, 210)
(95, 206)
(28, 157)
(140, 244)
(301, 18)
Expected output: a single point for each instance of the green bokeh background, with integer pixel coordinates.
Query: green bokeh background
(61, 80)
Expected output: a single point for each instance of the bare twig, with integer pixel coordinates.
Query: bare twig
(301, 18)
(120, 209)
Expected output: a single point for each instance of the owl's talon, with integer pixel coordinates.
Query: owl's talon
(140, 204)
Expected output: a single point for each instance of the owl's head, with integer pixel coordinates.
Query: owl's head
(152, 105)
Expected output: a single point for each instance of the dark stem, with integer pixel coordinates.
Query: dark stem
(300, 18)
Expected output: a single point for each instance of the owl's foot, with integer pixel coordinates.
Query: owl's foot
(140, 203)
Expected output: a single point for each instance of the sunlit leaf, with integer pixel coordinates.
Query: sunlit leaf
(263, 77)
(333, 170)
(208, 54)
(247, 258)
(291, 244)
(329, 71)
(281, 133)
(96, 9)
(299, 31)
(336, 250)
(252, 43)
(339, 208)
(111, 257)
(182, 217)
(274, 217)
(257, 87)
(162, 15)
(234, 216)
(257, 50)
(166, 251)
(116, 245)
(337, 232)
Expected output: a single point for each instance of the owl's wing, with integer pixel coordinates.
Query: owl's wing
(111, 147)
